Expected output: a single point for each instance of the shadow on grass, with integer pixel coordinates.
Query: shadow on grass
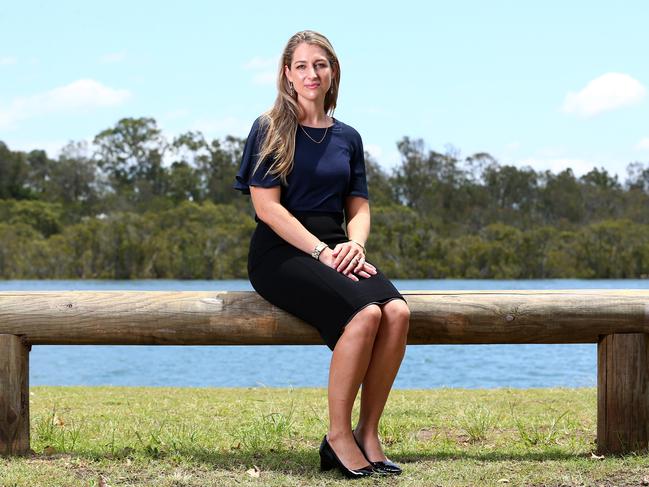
(302, 460)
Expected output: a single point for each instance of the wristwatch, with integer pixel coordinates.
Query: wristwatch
(318, 249)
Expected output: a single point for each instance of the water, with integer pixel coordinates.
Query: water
(424, 366)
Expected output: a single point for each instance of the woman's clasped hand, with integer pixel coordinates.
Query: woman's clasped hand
(348, 258)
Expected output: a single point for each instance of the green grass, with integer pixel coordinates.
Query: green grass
(117, 436)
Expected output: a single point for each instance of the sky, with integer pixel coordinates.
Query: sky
(549, 85)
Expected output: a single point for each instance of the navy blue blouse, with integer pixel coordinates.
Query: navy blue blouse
(323, 174)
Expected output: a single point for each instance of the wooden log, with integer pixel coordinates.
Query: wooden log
(14, 396)
(233, 318)
(623, 393)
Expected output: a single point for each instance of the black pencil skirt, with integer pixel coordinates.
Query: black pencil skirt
(295, 282)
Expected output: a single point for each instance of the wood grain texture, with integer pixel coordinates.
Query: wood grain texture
(623, 393)
(231, 318)
(14, 396)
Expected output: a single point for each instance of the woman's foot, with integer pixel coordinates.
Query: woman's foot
(347, 450)
(370, 445)
(329, 459)
(380, 463)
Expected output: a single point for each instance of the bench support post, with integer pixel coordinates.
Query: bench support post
(14, 396)
(623, 393)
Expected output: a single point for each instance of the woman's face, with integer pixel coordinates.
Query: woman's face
(310, 71)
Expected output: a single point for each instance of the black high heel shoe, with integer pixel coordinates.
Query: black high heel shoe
(382, 467)
(329, 460)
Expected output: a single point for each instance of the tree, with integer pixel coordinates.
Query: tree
(417, 175)
(511, 188)
(73, 177)
(14, 172)
(40, 167)
(561, 198)
(638, 177)
(42, 216)
(131, 153)
(602, 196)
(184, 183)
(600, 178)
(220, 169)
(191, 154)
(378, 182)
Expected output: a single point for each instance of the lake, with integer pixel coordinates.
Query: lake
(424, 366)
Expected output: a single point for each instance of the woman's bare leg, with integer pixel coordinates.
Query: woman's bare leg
(349, 362)
(389, 349)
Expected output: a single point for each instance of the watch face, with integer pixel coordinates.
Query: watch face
(318, 249)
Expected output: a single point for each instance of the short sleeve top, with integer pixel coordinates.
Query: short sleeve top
(323, 174)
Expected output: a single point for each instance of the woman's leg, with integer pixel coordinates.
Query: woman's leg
(389, 349)
(349, 362)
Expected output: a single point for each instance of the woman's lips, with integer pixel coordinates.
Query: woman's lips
(312, 86)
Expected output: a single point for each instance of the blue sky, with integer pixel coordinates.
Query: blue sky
(547, 84)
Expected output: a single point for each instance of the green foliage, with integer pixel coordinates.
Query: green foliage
(135, 205)
(14, 173)
(540, 431)
(40, 215)
(614, 249)
(23, 252)
(272, 431)
(55, 432)
(476, 421)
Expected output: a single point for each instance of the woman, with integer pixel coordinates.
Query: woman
(305, 172)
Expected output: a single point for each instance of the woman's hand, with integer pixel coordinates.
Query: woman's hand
(366, 270)
(349, 259)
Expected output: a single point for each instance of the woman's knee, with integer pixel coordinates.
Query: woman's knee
(397, 314)
(366, 322)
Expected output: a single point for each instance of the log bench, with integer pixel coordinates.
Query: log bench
(617, 320)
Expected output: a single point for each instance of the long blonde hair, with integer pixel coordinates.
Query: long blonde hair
(279, 124)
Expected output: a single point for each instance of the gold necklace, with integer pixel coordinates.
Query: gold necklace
(316, 141)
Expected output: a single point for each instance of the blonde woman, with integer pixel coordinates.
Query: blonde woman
(305, 172)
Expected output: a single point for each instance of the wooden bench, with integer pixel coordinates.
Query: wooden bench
(617, 320)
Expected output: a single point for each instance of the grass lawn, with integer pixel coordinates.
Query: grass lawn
(123, 436)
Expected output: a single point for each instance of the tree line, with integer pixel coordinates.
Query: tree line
(135, 205)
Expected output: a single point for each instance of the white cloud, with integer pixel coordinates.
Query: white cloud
(113, 57)
(7, 60)
(643, 144)
(82, 94)
(607, 92)
(264, 70)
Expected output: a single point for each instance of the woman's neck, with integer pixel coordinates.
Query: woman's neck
(313, 114)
